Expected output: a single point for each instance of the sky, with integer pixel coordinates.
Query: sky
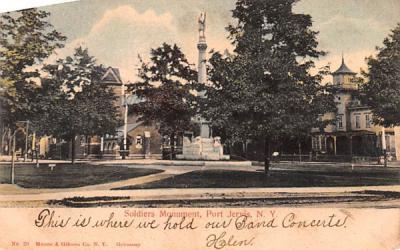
(116, 31)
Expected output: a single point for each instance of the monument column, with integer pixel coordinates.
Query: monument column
(204, 147)
(202, 71)
(202, 47)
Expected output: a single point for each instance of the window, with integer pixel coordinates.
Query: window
(316, 143)
(367, 120)
(139, 140)
(357, 121)
(340, 121)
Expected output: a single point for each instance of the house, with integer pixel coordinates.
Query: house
(353, 133)
(144, 140)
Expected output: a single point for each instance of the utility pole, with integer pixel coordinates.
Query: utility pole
(124, 103)
(125, 125)
(127, 99)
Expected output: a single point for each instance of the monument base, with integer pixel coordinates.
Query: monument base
(202, 149)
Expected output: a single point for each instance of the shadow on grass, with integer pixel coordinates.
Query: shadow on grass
(70, 176)
(79, 201)
(276, 178)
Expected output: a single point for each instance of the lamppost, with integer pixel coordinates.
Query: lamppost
(125, 149)
(126, 101)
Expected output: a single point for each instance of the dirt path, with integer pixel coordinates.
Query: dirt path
(8, 189)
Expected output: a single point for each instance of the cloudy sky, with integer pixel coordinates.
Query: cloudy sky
(116, 31)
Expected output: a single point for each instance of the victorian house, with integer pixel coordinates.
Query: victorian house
(353, 133)
(144, 141)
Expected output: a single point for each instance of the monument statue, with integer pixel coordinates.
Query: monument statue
(204, 146)
(202, 25)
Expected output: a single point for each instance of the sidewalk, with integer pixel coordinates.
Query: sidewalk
(393, 164)
(15, 190)
(169, 170)
(146, 162)
(141, 162)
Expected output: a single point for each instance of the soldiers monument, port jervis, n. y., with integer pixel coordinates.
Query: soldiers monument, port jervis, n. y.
(205, 146)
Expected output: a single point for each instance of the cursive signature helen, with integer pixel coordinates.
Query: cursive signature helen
(222, 240)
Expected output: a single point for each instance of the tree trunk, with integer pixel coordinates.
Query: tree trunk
(299, 144)
(172, 142)
(88, 140)
(37, 157)
(267, 154)
(9, 145)
(73, 150)
(244, 149)
(13, 160)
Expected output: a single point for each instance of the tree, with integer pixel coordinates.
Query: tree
(72, 101)
(381, 91)
(264, 89)
(26, 39)
(165, 88)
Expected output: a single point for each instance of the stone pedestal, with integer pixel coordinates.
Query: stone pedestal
(202, 149)
(205, 130)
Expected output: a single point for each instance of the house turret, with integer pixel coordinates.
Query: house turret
(343, 77)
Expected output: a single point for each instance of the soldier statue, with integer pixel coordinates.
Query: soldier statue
(202, 25)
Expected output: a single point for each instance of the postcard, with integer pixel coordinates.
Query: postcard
(230, 124)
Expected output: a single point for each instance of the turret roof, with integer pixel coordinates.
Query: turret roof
(343, 69)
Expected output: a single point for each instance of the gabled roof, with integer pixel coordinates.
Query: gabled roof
(130, 126)
(112, 77)
(343, 69)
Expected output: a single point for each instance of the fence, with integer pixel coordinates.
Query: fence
(326, 158)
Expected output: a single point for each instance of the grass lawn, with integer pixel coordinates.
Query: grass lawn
(277, 178)
(68, 175)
